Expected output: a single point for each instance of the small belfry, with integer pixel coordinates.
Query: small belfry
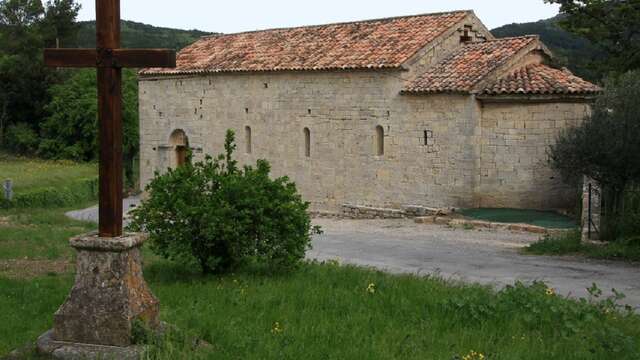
(109, 294)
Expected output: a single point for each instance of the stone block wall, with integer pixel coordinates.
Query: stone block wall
(428, 159)
(514, 161)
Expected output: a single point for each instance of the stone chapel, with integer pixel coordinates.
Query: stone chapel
(427, 110)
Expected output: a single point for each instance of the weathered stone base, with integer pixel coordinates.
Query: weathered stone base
(77, 351)
(108, 297)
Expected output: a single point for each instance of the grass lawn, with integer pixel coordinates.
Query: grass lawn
(32, 174)
(571, 244)
(36, 234)
(321, 311)
(548, 219)
(330, 312)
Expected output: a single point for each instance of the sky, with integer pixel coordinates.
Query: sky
(245, 15)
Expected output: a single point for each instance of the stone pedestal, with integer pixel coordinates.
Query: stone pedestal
(108, 296)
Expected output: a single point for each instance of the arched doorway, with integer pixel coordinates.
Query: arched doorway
(180, 143)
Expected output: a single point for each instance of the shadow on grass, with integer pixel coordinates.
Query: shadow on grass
(166, 272)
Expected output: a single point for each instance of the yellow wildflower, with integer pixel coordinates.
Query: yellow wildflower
(276, 328)
(551, 292)
(473, 355)
(371, 289)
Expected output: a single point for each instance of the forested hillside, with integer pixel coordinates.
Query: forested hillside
(570, 50)
(138, 35)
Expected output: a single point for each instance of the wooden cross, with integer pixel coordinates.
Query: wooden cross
(109, 59)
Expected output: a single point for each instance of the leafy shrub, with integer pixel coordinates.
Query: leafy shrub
(626, 249)
(629, 219)
(21, 139)
(605, 147)
(565, 243)
(221, 216)
(536, 306)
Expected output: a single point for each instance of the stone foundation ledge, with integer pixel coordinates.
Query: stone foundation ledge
(479, 224)
(61, 350)
(406, 211)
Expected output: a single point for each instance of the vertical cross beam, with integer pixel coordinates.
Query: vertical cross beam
(110, 59)
(110, 119)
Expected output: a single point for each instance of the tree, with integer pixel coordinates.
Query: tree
(59, 26)
(610, 24)
(21, 70)
(606, 146)
(70, 130)
(25, 27)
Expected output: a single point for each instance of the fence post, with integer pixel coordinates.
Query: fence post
(590, 209)
(8, 189)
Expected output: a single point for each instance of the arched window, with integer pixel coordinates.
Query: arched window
(379, 140)
(247, 139)
(307, 142)
(180, 143)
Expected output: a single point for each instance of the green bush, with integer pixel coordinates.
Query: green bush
(21, 139)
(536, 306)
(219, 216)
(629, 220)
(566, 243)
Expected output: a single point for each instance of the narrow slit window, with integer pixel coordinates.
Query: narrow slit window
(379, 140)
(247, 136)
(428, 137)
(307, 142)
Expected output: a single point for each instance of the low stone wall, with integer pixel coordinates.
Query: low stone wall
(407, 211)
(478, 224)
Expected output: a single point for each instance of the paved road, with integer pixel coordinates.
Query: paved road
(486, 257)
(91, 214)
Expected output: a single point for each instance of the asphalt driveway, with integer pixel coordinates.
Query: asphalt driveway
(486, 257)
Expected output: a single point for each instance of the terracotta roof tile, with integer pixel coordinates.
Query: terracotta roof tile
(384, 43)
(542, 80)
(467, 66)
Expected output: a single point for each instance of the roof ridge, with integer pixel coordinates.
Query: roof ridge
(341, 23)
(549, 82)
(463, 48)
(490, 66)
(531, 36)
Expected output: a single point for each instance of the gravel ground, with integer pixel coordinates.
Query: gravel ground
(487, 257)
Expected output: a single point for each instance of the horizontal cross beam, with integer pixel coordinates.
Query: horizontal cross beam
(110, 58)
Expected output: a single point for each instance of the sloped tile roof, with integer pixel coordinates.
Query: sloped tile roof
(463, 69)
(384, 43)
(541, 80)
